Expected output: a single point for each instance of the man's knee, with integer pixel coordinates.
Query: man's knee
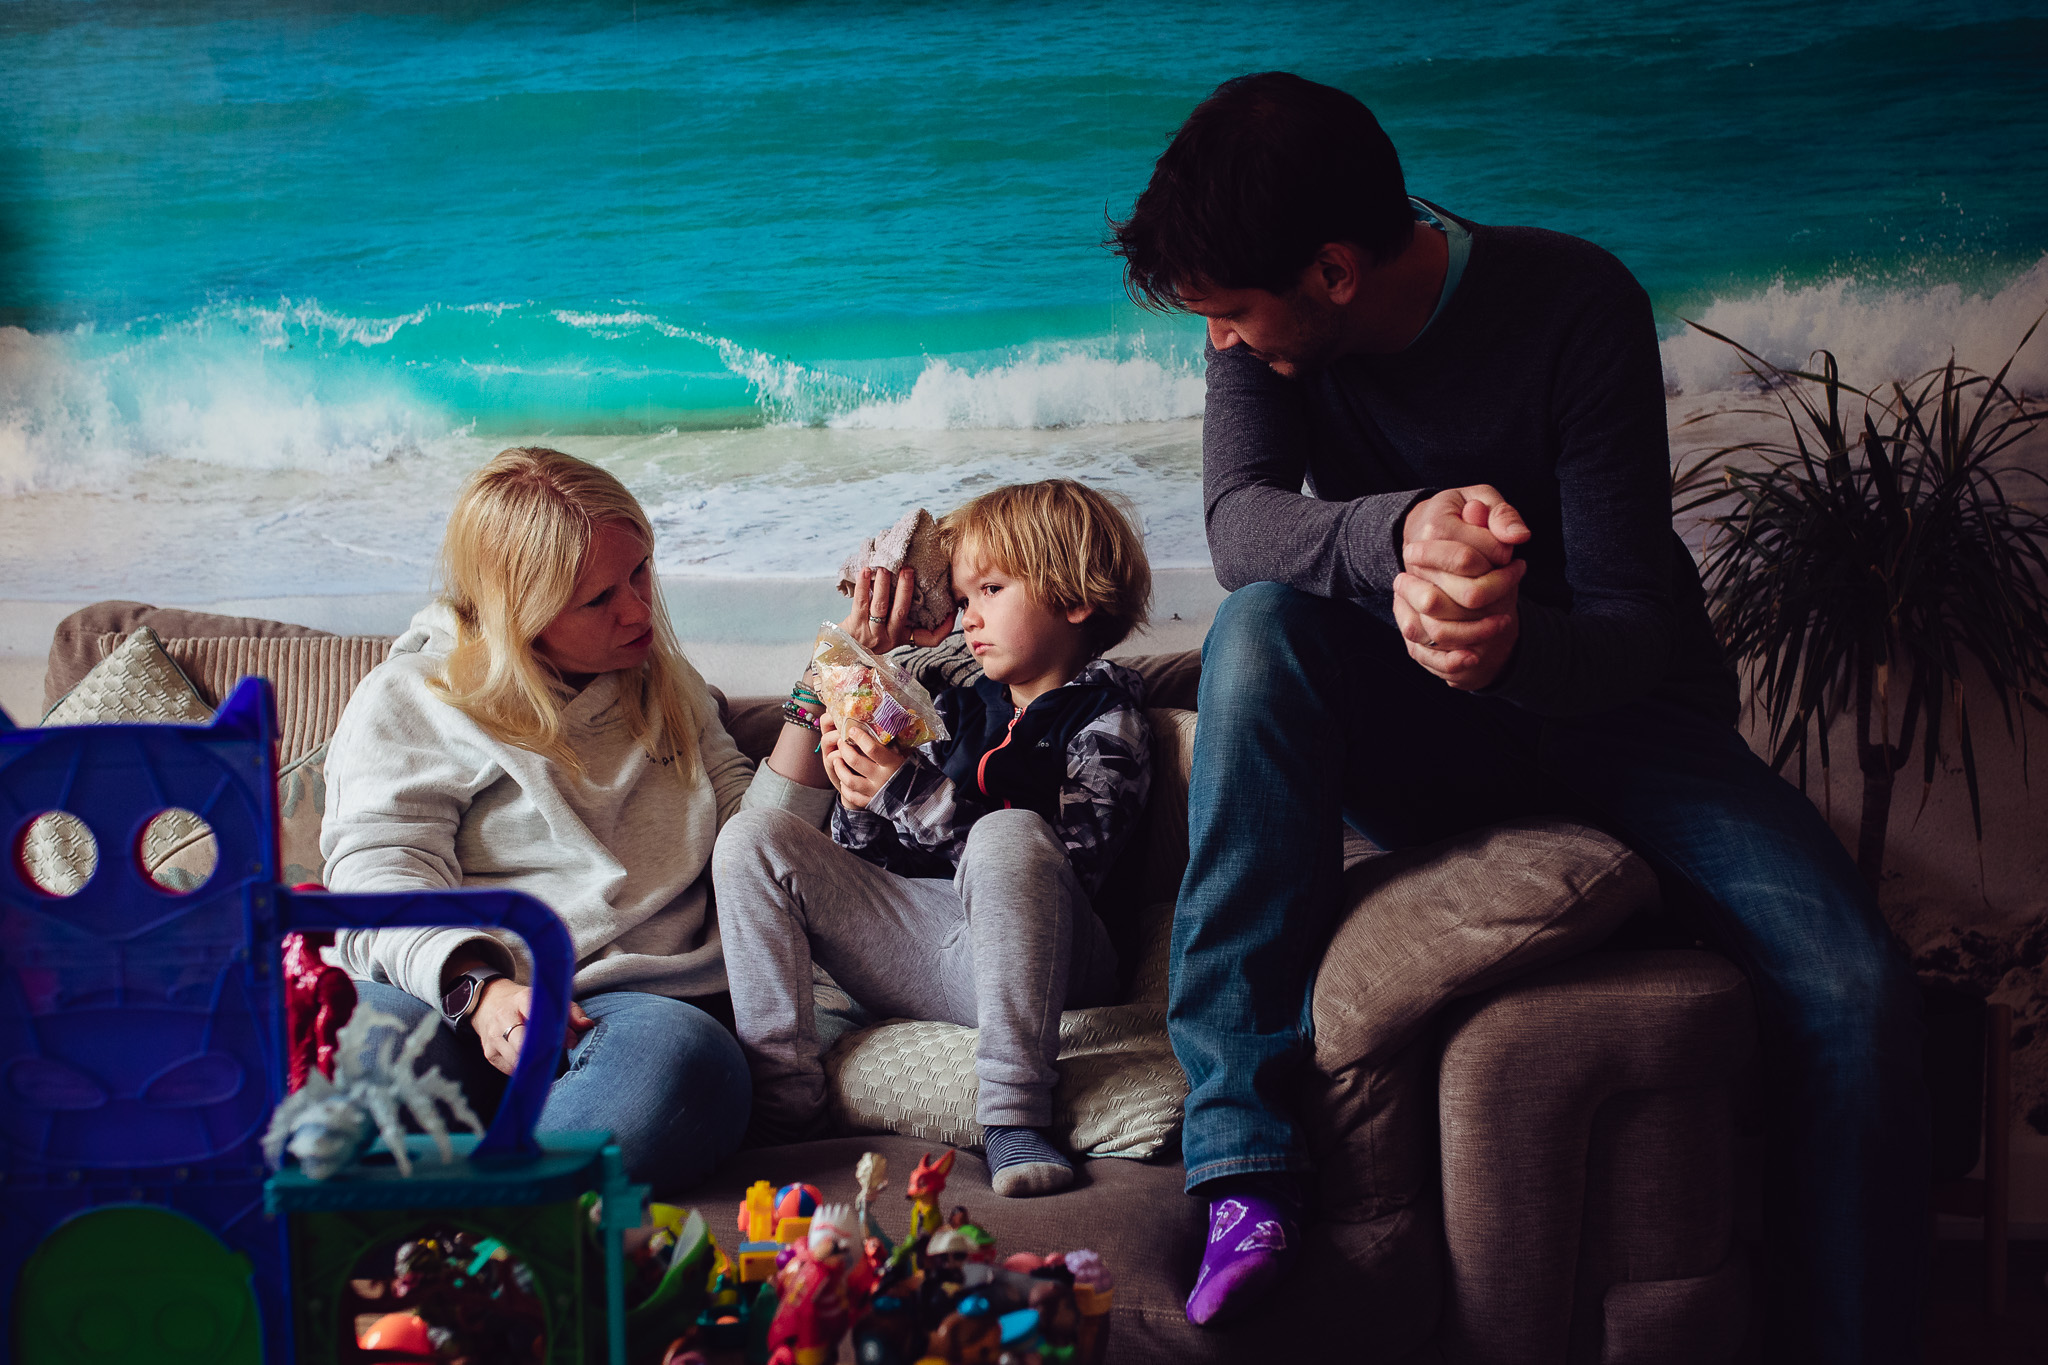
(1269, 640)
(1259, 616)
(1856, 1006)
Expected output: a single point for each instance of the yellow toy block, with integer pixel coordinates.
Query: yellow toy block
(757, 1261)
(760, 1207)
(790, 1231)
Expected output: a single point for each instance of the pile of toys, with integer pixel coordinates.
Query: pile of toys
(805, 1274)
(448, 1295)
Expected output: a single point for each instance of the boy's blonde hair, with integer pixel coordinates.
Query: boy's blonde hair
(1070, 544)
(520, 531)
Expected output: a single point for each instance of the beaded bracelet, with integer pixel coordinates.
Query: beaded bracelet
(803, 707)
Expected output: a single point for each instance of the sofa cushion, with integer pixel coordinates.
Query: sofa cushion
(1453, 918)
(75, 645)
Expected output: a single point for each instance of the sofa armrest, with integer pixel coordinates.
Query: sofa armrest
(1587, 1122)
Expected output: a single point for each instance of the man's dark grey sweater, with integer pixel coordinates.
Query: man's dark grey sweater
(1540, 376)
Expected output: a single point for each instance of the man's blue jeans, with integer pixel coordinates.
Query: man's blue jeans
(663, 1077)
(1312, 714)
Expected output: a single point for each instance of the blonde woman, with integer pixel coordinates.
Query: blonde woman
(538, 728)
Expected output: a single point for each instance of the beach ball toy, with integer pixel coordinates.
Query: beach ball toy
(796, 1201)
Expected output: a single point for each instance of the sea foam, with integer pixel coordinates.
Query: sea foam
(1878, 333)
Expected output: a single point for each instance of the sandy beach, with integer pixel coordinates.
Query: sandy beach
(746, 635)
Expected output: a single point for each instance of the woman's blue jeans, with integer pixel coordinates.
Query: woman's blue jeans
(663, 1077)
(1312, 713)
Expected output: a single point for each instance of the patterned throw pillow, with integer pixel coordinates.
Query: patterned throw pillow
(1120, 1090)
(135, 682)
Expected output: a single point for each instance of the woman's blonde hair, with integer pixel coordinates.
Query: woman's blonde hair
(517, 538)
(1071, 545)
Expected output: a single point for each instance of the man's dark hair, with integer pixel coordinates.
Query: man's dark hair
(1264, 173)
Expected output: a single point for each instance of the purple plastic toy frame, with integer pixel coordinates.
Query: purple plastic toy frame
(142, 1028)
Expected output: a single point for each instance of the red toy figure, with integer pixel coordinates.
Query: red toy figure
(318, 999)
(819, 1293)
(927, 1182)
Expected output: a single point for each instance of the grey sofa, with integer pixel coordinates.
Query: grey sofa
(1526, 1141)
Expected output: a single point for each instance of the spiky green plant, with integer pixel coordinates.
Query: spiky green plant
(1846, 562)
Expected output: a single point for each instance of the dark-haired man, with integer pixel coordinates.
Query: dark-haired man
(1476, 610)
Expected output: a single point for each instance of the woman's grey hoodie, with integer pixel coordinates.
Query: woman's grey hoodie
(420, 797)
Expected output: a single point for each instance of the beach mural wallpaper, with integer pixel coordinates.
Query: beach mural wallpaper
(273, 275)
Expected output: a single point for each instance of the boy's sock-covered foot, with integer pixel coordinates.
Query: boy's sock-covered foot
(1021, 1162)
(1254, 1236)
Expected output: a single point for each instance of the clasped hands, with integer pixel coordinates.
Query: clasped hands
(857, 762)
(1458, 602)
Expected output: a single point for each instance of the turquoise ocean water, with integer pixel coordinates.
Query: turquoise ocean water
(271, 274)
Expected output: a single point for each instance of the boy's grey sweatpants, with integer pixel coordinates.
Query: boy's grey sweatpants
(1004, 946)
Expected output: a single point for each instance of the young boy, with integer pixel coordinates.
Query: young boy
(955, 882)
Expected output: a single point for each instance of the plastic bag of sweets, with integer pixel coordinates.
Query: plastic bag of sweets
(858, 686)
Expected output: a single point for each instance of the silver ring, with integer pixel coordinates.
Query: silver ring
(506, 1036)
(878, 620)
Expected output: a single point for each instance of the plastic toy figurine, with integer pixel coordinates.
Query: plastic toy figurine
(398, 1332)
(891, 1333)
(971, 1336)
(326, 1124)
(871, 1175)
(318, 1000)
(816, 1302)
(758, 1248)
(927, 1183)
(1094, 1289)
(1059, 1317)
(945, 1255)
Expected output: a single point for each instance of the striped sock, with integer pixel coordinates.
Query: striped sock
(1021, 1162)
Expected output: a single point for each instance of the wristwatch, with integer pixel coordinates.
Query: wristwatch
(463, 997)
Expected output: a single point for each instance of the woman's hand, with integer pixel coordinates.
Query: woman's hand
(858, 762)
(500, 1021)
(879, 617)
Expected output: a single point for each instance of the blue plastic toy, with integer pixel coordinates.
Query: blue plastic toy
(142, 1051)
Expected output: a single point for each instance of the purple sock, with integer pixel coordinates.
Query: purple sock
(1254, 1232)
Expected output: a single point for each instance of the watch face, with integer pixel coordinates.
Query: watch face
(456, 1003)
